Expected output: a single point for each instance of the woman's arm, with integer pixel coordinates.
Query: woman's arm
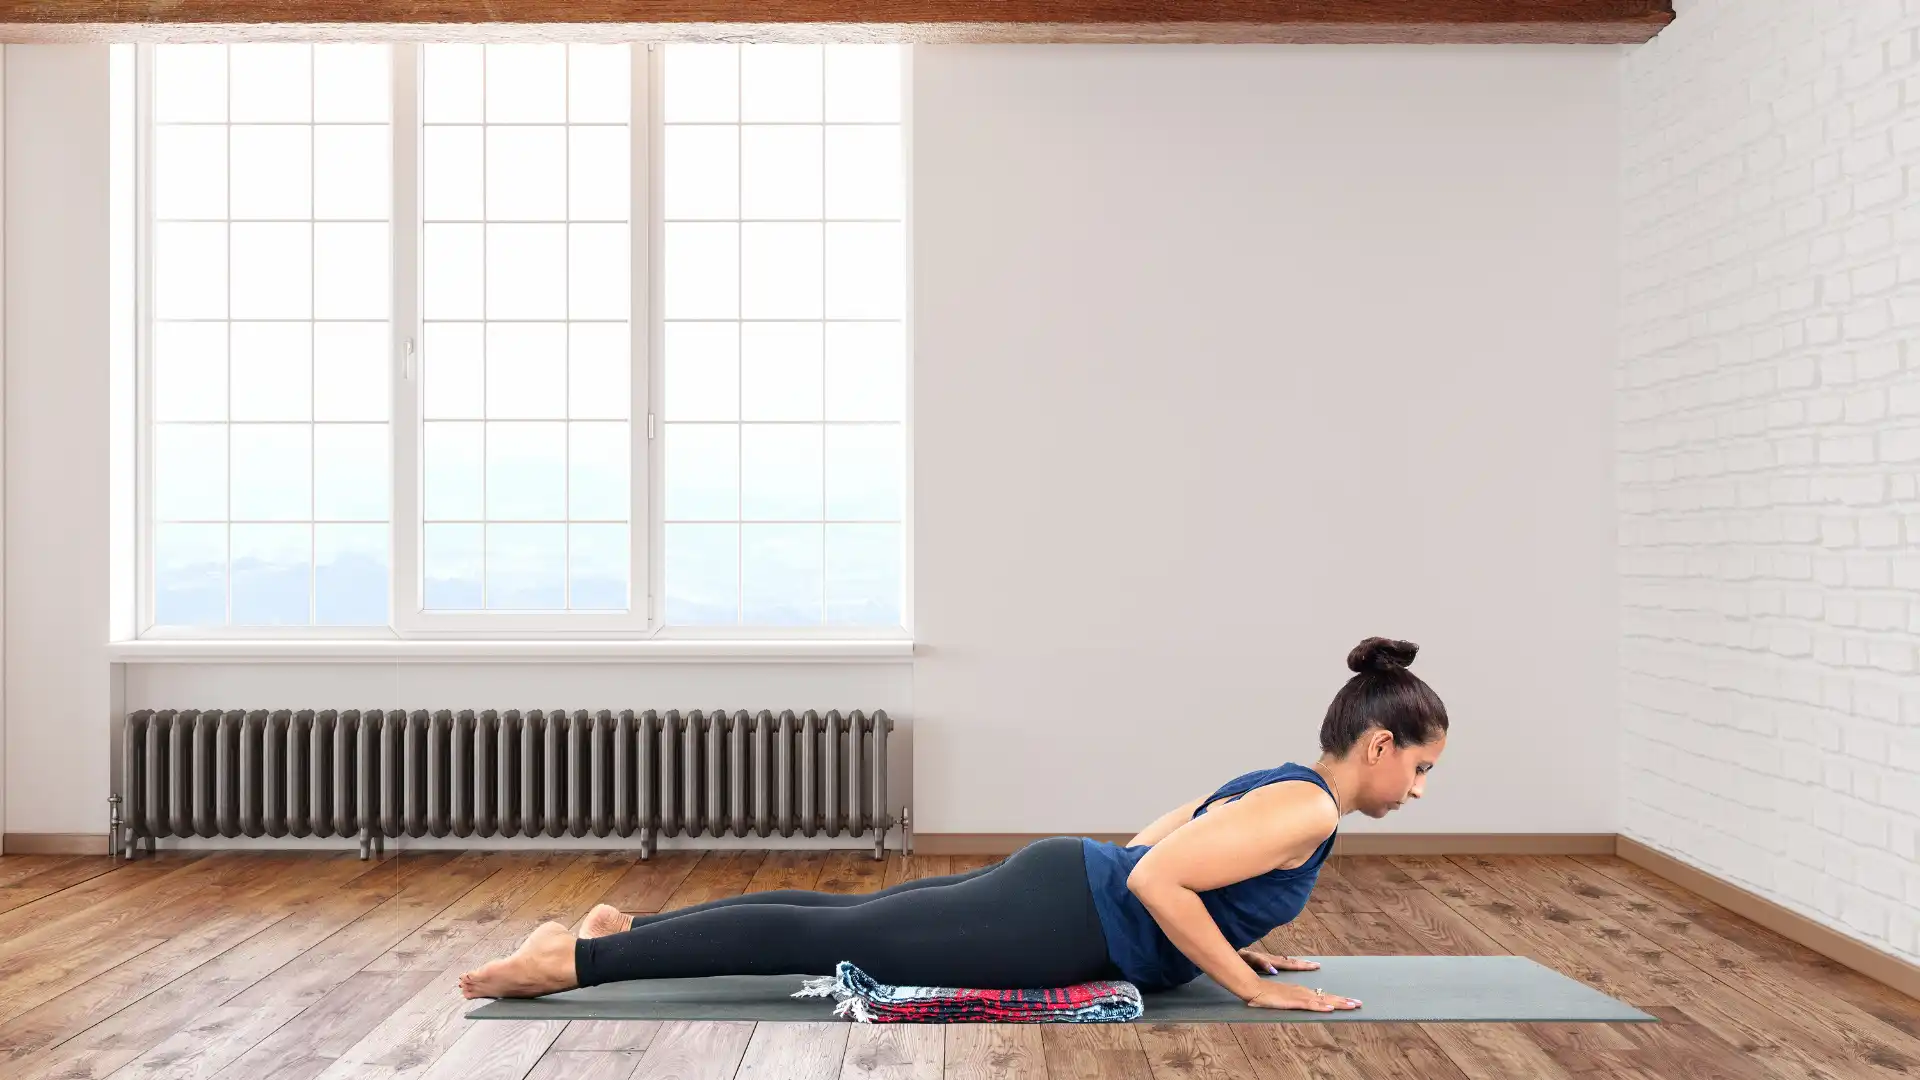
(1166, 823)
(1272, 826)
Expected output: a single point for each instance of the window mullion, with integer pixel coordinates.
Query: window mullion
(405, 414)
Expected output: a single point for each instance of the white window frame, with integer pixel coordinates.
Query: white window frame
(646, 514)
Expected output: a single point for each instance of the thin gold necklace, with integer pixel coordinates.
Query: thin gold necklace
(1324, 775)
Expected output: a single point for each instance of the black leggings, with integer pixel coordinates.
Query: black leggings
(1026, 921)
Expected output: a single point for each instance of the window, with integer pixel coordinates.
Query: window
(269, 338)
(783, 335)
(526, 338)
(526, 196)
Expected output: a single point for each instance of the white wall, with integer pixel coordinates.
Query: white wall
(1769, 435)
(56, 438)
(1229, 357)
(1226, 359)
(3, 446)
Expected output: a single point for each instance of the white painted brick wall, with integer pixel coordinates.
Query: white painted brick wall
(1769, 443)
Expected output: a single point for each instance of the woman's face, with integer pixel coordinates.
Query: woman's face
(1392, 773)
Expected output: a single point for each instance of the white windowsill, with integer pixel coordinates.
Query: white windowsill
(509, 652)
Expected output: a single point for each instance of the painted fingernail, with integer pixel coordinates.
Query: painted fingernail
(1271, 970)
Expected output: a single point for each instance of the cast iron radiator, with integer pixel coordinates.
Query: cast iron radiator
(380, 773)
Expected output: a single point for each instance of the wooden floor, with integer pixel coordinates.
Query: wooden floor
(283, 965)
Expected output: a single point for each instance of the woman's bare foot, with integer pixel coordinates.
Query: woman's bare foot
(605, 919)
(542, 965)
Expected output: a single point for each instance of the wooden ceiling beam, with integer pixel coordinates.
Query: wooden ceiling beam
(932, 21)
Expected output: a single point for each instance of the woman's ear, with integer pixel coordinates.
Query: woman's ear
(1377, 744)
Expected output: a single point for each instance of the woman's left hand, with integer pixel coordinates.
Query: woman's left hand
(1273, 965)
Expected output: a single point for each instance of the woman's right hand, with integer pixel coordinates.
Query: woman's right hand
(1280, 995)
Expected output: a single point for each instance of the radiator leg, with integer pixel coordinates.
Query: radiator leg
(366, 843)
(646, 843)
(153, 846)
(906, 828)
(113, 826)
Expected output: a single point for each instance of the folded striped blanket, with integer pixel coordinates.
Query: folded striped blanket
(870, 1002)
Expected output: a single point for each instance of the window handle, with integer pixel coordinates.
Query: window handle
(406, 361)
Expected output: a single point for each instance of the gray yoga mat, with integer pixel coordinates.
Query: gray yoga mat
(1391, 988)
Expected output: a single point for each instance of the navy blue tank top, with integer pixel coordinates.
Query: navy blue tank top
(1245, 911)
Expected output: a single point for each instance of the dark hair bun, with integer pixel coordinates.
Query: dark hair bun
(1377, 654)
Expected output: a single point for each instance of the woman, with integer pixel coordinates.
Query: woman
(1191, 893)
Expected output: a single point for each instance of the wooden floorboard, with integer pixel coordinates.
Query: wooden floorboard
(304, 966)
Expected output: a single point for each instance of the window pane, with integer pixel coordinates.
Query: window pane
(454, 364)
(780, 83)
(351, 379)
(272, 573)
(864, 172)
(527, 173)
(703, 371)
(270, 82)
(866, 272)
(353, 177)
(190, 472)
(866, 371)
(453, 270)
(780, 377)
(780, 574)
(863, 83)
(190, 371)
(272, 371)
(526, 371)
(272, 171)
(350, 472)
(703, 472)
(599, 272)
(272, 472)
(190, 84)
(350, 581)
(599, 357)
(453, 168)
(452, 83)
(780, 271)
(526, 472)
(702, 84)
(190, 575)
(527, 567)
(780, 172)
(863, 575)
(189, 270)
(526, 84)
(863, 472)
(189, 172)
(597, 567)
(526, 271)
(350, 271)
(272, 270)
(780, 472)
(600, 84)
(703, 574)
(352, 83)
(454, 471)
(599, 167)
(702, 173)
(454, 567)
(597, 485)
(703, 271)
